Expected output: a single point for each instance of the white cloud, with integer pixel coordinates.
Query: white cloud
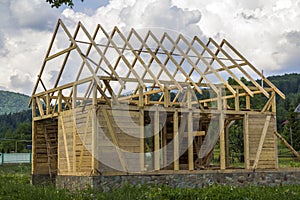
(256, 28)
(267, 32)
(26, 29)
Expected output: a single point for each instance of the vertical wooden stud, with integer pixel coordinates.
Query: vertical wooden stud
(246, 141)
(166, 96)
(156, 140)
(237, 101)
(142, 131)
(142, 141)
(47, 104)
(176, 140)
(59, 108)
(222, 142)
(248, 102)
(74, 96)
(190, 141)
(94, 128)
(274, 102)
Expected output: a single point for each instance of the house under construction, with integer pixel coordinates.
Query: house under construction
(113, 103)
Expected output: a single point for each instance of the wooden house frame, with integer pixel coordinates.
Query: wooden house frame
(116, 103)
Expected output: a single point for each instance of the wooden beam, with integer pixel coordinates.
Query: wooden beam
(60, 53)
(33, 111)
(166, 96)
(248, 102)
(96, 78)
(156, 140)
(101, 53)
(192, 64)
(123, 57)
(176, 140)
(74, 97)
(237, 101)
(45, 61)
(255, 70)
(111, 92)
(175, 63)
(33, 138)
(246, 141)
(139, 58)
(269, 103)
(261, 142)
(59, 102)
(190, 141)
(274, 102)
(40, 106)
(94, 130)
(222, 142)
(296, 154)
(142, 140)
(65, 143)
(155, 57)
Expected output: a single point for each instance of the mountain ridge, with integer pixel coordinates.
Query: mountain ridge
(13, 102)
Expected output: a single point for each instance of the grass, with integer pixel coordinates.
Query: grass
(15, 184)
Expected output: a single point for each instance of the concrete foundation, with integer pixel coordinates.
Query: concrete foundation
(194, 180)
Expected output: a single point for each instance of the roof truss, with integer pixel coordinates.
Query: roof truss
(145, 60)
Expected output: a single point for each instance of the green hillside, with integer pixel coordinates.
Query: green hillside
(11, 102)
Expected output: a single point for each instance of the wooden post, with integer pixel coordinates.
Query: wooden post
(248, 102)
(141, 97)
(246, 141)
(176, 140)
(190, 141)
(47, 104)
(34, 132)
(74, 96)
(33, 111)
(142, 131)
(274, 102)
(222, 142)
(59, 106)
(190, 130)
(166, 96)
(156, 140)
(237, 101)
(222, 132)
(94, 129)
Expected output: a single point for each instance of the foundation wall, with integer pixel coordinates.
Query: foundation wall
(195, 180)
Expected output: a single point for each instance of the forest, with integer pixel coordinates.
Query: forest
(17, 126)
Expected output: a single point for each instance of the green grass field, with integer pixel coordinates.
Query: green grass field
(15, 184)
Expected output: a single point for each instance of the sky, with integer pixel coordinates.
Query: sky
(266, 32)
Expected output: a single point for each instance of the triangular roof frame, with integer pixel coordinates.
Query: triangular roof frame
(212, 54)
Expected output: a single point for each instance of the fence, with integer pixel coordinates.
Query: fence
(11, 158)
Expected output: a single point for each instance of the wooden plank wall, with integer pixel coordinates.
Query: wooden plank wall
(45, 157)
(118, 140)
(262, 142)
(74, 142)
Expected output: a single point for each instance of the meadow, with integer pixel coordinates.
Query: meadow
(15, 184)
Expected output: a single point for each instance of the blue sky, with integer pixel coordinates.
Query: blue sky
(267, 32)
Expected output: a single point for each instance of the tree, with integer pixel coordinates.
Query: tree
(58, 3)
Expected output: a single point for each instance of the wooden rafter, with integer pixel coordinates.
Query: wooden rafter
(191, 60)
